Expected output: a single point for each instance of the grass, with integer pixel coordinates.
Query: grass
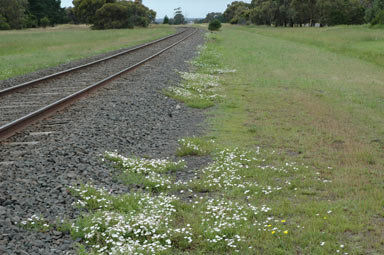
(29, 50)
(195, 146)
(200, 88)
(145, 173)
(355, 41)
(314, 96)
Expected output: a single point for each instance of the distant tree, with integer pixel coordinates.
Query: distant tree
(211, 16)
(214, 25)
(123, 14)
(30, 21)
(85, 10)
(13, 13)
(71, 16)
(114, 15)
(142, 15)
(335, 12)
(44, 22)
(39, 9)
(237, 12)
(379, 19)
(179, 17)
(303, 12)
(166, 20)
(4, 24)
(373, 10)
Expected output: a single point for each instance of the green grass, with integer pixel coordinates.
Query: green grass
(29, 50)
(199, 89)
(355, 41)
(195, 146)
(314, 96)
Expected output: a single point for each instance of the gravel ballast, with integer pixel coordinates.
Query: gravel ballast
(130, 115)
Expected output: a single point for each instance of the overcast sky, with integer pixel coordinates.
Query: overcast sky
(191, 8)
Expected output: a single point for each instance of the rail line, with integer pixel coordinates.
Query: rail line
(12, 127)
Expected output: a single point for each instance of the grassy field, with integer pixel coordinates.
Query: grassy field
(314, 96)
(29, 50)
(355, 41)
(296, 137)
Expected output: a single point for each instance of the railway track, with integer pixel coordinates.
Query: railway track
(24, 104)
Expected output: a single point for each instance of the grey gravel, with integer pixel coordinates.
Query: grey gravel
(130, 115)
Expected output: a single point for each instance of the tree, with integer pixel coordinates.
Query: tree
(236, 12)
(212, 16)
(335, 12)
(13, 13)
(44, 22)
(85, 10)
(4, 24)
(302, 12)
(379, 19)
(123, 14)
(373, 10)
(166, 20)
(71, 16)
(179, 17)
(214, 25)
(39, 9)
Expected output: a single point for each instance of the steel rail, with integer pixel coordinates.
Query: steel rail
(6, 91)
(15, 126)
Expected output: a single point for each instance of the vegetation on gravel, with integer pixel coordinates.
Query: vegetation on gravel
(25, 51)
(145, 173)
(194, 146)
(201, 88)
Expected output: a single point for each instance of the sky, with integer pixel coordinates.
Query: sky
(190, 8)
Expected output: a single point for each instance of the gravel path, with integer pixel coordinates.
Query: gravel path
(130, 115)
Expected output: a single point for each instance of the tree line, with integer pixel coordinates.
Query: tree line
(18, 14)
(303, 12)
(107, 14)
(101, 14)
(178, 18)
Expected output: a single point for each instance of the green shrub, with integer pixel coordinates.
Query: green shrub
(214, 25)
(379, 19)
(3, 23)
(44, 22)
(30, 21)
(113, 15)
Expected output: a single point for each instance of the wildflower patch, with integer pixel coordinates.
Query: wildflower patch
(194, 147)
(36, 222)
(200, 88)
(146, 172)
